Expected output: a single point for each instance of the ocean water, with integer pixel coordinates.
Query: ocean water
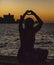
(10, 39)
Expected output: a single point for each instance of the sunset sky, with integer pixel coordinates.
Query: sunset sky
(43, 8)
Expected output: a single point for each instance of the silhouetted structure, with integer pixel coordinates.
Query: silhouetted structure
(27, 53)
(9, 18)
(1, 19)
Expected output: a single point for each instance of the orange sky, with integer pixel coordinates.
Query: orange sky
(44, 8)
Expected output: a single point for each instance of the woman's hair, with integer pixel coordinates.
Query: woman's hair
(29, 22)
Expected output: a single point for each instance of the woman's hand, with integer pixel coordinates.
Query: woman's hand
(32, 13)
(28, 12)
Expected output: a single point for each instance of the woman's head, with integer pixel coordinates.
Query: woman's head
(29, 23)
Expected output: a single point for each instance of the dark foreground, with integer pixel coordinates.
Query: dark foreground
(12, 60)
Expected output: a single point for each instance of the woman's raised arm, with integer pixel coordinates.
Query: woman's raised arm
(40, 22)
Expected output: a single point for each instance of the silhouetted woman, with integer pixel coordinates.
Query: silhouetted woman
(27, 36)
